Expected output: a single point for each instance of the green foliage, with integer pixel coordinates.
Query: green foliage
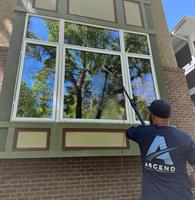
(141, 76)
(135, 43)
(82, 68)
(36, 100)
(87, 36)
(27, 102)
(84, 97)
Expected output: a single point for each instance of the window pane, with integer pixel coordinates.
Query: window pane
(90, 92)
(142, 83)
(89, 36)
(37, 87)
(101, 9)
(133, 13)
(43, 29)
(135, 43)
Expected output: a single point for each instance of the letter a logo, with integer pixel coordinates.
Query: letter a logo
(162, 154)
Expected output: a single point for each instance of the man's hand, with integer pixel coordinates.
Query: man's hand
(192, 177)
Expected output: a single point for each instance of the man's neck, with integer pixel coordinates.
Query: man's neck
(161, 122)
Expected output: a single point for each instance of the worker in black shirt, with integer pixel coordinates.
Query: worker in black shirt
(165, 152)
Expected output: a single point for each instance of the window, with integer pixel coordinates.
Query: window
(46, 4)
(101, 9)
(140, 70)
(133, 13)
(77, 74)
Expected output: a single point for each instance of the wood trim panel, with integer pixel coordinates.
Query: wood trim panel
(16, 134)
(141, 14)
(126, 143)
(56, 9)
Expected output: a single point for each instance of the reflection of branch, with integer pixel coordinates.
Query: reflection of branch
(99, 112)
(74, 82)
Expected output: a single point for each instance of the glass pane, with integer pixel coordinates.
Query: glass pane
(3, 137)
(142, 83)
(135, 43)
(89, 36)
(43, 29)
(37, 87)
(90, 90)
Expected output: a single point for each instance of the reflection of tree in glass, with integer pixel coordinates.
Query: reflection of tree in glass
(135, 43)
(90, 92)
(142, 83)
(36, 93)
(42, 29)
(94, 37)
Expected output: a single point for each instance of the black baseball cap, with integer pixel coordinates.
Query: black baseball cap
(160, 108)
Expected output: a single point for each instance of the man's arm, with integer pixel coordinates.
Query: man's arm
(133, 133)
(192, 176)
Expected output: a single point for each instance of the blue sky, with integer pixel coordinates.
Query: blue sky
(176, 9)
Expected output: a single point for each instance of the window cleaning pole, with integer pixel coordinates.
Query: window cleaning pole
(109, 70)
(132, 102)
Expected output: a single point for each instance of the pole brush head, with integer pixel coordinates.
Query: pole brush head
(107, 69)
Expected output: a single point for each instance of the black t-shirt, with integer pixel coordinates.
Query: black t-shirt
(164, 152)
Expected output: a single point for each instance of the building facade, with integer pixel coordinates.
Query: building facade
(183, 40)
(63, 113)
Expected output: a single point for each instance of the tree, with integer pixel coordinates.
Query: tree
(142, 83)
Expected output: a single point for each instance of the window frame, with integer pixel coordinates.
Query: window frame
(60, 70)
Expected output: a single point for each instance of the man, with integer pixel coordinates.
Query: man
(164, 153)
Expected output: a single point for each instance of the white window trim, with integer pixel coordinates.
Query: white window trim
(60, 68)
(16, 100)
(86, 49)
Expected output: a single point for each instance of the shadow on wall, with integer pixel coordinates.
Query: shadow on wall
(6, 21)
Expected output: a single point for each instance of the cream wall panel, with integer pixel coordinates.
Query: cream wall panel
(133, 13)
(95, 139)
(46, 4)
(31, 139)
(7, 8)
(101, 9)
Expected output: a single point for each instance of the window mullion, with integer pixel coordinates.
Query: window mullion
(19, 82)
(126, 78)
(153, 69)
(59, 106)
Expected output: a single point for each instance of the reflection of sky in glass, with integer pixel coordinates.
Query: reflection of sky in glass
(32, 66)
(38, 28)
(35, 65)
(142, 79)
(91, 37)
(97, 79)
(95, 82)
